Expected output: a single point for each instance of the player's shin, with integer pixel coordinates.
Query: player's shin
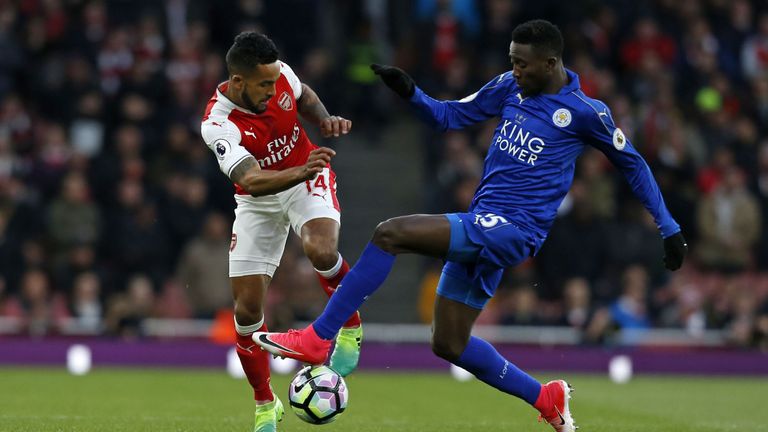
(255, 361)
(482, 360)
(330, 280)
(362, 280)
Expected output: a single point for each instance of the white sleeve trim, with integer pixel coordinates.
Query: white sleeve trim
(223, 138)
(293, 80)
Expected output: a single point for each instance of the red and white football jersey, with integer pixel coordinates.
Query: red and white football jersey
(275, 137)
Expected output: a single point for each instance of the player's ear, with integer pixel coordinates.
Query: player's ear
(236, 80)
(551, 63)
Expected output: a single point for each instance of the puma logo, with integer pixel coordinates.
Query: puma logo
(249, 349)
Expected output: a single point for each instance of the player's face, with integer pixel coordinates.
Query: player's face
(531, 68)
(256, 89)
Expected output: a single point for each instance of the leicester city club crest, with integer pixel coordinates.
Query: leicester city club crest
(561, 117)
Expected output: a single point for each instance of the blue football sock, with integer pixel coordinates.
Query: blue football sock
(482, 359)
(363, 279)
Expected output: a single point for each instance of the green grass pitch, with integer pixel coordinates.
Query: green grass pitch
(159, 400)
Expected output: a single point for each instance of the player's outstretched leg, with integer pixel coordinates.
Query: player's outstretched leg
(346, 353)
(553, 406)
(268, 415)
(312, 344)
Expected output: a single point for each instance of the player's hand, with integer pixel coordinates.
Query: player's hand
(318, 159)
(335, 126)
(396, 79)
(675, 249)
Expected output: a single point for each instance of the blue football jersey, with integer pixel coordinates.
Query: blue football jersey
(531, 161)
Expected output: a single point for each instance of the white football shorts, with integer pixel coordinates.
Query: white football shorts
(261, 223)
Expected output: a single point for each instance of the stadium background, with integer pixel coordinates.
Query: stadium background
(113, 212)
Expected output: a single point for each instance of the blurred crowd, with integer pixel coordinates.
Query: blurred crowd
(112, 210)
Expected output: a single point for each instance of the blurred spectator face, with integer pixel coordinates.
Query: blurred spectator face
(129, 141)
(178, 138)
(196, 191)
(216, 227)
(87, 288)
(635, 280)
(82, 256)
(133, 168)
(136, 108)
(256, 87)
(90, 104)
(34, 287)
(733, 180)
(140, 293)
(33, 253)
(130, 193)
(646, 30)
(576, 293)
(525, 301)
(75, 189)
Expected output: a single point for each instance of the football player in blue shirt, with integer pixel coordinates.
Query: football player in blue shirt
(546, 122)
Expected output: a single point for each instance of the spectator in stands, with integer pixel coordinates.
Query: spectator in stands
(577, 305)
(128, 310)
(72, 217)
(37, 303)
(729, 225)
(85, 307)
(203, 268)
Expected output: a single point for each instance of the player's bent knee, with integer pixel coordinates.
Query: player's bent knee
(387, 235)
(248, 312)
(322, 258)
(447, 349)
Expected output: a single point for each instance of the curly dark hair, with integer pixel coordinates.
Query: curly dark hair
(250, 50)
(541, 34)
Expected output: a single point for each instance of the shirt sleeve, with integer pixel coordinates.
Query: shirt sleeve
(602, 133)
(481, 105)
(223, 138)
(293, 80)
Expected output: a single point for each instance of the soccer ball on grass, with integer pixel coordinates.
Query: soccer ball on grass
(318, 394)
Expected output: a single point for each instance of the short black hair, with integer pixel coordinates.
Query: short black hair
(250, 50)
(541, 34)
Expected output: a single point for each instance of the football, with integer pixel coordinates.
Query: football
(318, 394)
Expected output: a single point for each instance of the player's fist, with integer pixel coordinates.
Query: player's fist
(335, 126)
(675, 249)
(318, 159)
(396, 79)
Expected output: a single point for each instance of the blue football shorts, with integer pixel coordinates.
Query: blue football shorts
(481, 247)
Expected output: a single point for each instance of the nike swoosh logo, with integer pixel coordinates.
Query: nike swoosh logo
(602, 114)
(562, 419)
(297, 388)
(264, 339)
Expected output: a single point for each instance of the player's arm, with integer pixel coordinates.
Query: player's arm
(259, 182)
(223, 138)
(603, 134)
(444, 115)
(311, 108)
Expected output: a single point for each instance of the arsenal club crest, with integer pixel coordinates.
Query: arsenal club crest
(285, 101)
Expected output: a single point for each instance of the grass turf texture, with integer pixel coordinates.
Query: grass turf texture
(115, 400)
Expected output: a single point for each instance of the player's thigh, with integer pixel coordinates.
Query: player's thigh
(422, 234)
(314, 201)
(259, 233)
(320, 234)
